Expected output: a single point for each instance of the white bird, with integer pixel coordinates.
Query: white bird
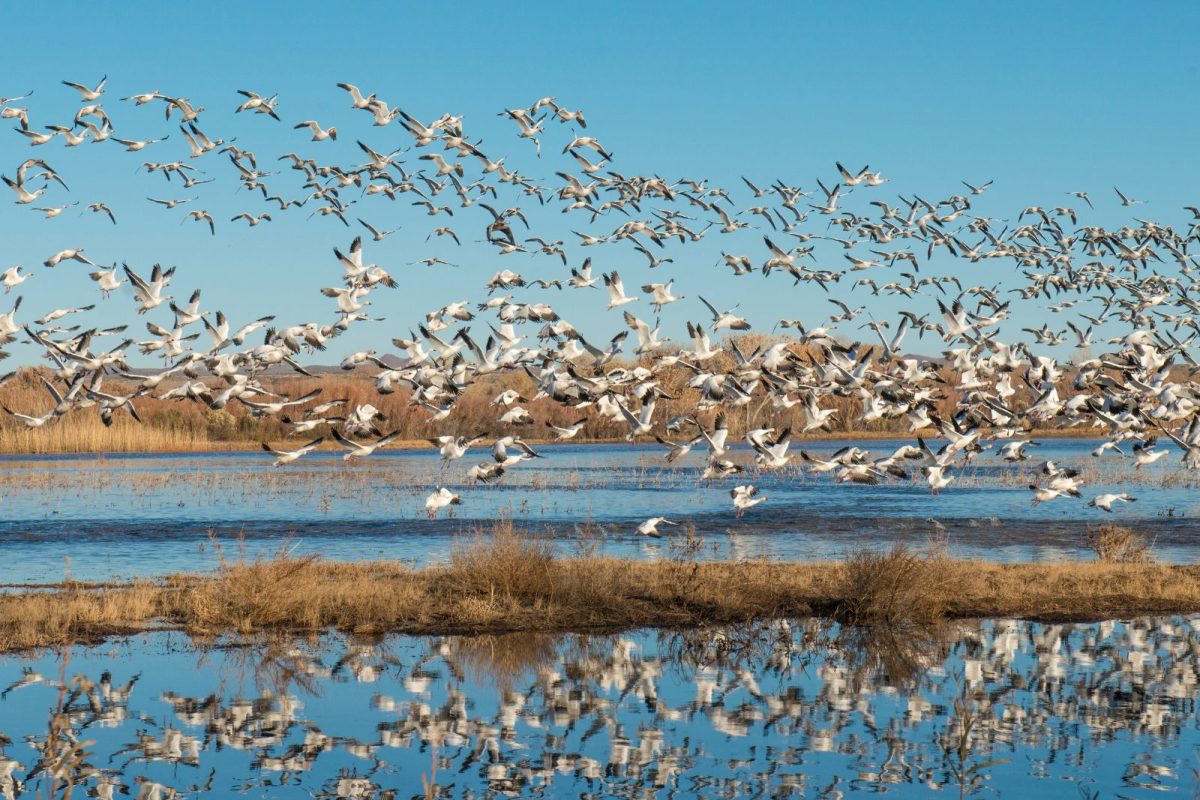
(616, 291)
(359, 450)
(650, 526)
(12, 277)
(726, 319)
(661, 294)
(745, 497)
(86, 94)
(1105, 501)
(439, 499)
(318, 134)
(288, 456)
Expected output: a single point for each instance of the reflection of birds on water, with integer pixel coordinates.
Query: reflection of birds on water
(509, 712)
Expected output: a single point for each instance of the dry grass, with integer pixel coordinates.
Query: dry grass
(897, 587)
(1118, 544)
(505, 583)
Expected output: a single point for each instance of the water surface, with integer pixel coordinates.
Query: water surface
(781, 710)
(130, 515)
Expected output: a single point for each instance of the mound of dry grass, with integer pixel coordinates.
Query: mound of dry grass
(503, 582)
(1118, 544)
(898, 586)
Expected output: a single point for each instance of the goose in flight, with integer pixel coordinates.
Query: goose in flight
(569, 432)
(661, 294)
(506, 459)
(453, 448)
(137, 145)
(169, 204)
(107, 281)
(1104, 502)
(377, 234)
(30, 421)
(273, 408)
(357, 98)
(616, 291)
(590, 142)
(441, 498)
(70, 254)
(675, 451)
(288, 456)
(1126, 201)
(1044, 494)
(640, 425)
(359, 450)
(486, 472)
(648, 340)
(86, 94)
(101, 208)
(650, 526)
(202, 216)
(258, 103)
(726, 319)
(24, 196)
(149, 293)
(745, 498)
(1015, 451)
(252, 220)
(8, 322)
(1144, 453)
(318, 133)
(12, 277)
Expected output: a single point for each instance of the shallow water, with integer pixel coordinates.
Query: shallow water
(781, 710)
(150, 514)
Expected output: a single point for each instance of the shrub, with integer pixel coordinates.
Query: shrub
(1116, 544)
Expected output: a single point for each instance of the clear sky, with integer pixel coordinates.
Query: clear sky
(1042, 98)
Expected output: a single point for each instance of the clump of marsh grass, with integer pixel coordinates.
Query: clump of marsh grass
(1116, 544)
(897, 587)
(502, 562)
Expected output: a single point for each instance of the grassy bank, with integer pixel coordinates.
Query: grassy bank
(503, 582)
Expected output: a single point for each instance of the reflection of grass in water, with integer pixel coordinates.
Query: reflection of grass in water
(504, 659)
(966, 731)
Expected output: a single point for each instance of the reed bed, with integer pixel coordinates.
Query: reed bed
(502, 581)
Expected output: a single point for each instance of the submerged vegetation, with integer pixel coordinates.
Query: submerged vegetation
(503, 582)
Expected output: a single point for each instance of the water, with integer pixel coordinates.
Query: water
(122, 516)
(781, 711)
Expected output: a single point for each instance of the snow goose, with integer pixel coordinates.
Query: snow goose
(359, 450)
(288, 456)
(12, 277)
(1105, 502)
(86, 94)
(650, 526)
(440, 498)
(318, 134)
(745, 498)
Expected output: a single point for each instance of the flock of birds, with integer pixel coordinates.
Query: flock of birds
(1132, 384)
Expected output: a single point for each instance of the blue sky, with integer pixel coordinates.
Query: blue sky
(1044, 99)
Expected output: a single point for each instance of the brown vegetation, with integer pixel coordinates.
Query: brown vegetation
(1118, 544)
(504, 582)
